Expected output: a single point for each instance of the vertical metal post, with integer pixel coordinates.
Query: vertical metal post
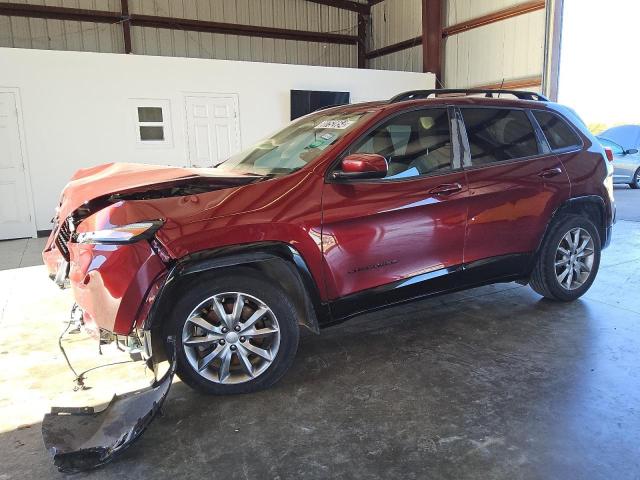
(362, 40)
(432, 38)
(126, 25)
(552, 49)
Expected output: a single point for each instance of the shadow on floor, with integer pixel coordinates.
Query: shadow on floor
(496, 385)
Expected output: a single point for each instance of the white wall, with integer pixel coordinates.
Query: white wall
(76, 110)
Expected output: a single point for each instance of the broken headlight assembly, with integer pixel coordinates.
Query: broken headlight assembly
(131, 233)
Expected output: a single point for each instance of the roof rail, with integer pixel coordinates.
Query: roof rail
(422, 94)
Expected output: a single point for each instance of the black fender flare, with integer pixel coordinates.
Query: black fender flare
(280, 261)
(577, 206)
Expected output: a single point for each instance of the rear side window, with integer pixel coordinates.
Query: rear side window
(559, 134)
(498, 135)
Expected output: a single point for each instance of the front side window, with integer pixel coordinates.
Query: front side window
(295, 146)
(559, 134)
(499, 135)
(414, 143)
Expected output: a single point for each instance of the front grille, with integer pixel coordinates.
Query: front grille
(64, 234)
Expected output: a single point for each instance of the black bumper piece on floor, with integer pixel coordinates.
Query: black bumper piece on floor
(82, 439)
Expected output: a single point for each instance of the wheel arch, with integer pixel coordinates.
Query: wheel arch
(279, 262)
(589, 206)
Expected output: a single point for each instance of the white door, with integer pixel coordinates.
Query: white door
(15, 217)
(212, 128)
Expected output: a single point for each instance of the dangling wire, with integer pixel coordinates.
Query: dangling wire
(79, 378)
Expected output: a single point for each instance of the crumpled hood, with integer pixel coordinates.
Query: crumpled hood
(90, 183)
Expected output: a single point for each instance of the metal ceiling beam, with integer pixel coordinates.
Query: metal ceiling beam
(58, 13)
(98, 16)
(395, 47)
(236, 29)
(362, 8)
(494, 17)
(515, 84)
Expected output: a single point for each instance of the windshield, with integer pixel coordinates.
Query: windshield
(294, 146)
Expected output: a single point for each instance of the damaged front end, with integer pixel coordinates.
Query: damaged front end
(83, 438)
(107, 246)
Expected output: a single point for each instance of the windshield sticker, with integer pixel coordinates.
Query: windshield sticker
(327, 136)
(335, 124)
(316, 143)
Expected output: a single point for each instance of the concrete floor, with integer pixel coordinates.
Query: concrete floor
(489, 383)
(24, 252)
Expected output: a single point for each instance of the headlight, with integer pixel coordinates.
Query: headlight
(131, 233)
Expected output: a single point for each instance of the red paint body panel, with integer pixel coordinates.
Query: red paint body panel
(110, 282)
(379, 232)
(286, 209)
(52, 257)
(510, 206)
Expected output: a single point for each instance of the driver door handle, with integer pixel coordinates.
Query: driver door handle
(550, 172)
(446, 189)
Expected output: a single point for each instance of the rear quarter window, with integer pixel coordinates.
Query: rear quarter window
(558, 132)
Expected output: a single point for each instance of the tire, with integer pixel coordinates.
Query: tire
(547, 274)
(196, 345)
(635, 182)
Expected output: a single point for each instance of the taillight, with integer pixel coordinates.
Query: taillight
(609, 153)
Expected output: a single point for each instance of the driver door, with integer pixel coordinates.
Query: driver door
(401, 236)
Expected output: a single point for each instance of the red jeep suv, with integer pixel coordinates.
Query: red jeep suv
(346, 210)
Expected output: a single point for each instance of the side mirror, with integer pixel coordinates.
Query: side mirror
(631, 151)
(362, 166)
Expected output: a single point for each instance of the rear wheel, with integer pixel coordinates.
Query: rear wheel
(235, 334)
(568, 260)
(635, 182)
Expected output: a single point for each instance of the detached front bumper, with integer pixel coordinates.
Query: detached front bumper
(82, 439)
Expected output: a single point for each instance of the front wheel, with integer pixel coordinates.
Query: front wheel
(235, 333)
(635, 182)
(568, 261)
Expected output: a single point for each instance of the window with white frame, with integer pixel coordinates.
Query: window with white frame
(152, 120)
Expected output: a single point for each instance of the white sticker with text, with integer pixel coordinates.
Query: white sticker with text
(335, 124)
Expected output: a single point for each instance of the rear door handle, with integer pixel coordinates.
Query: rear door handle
(446, 189)
(550, 172)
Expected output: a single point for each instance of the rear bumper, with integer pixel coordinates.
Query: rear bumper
(609, 227)
(110, 282)
(607, 240)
